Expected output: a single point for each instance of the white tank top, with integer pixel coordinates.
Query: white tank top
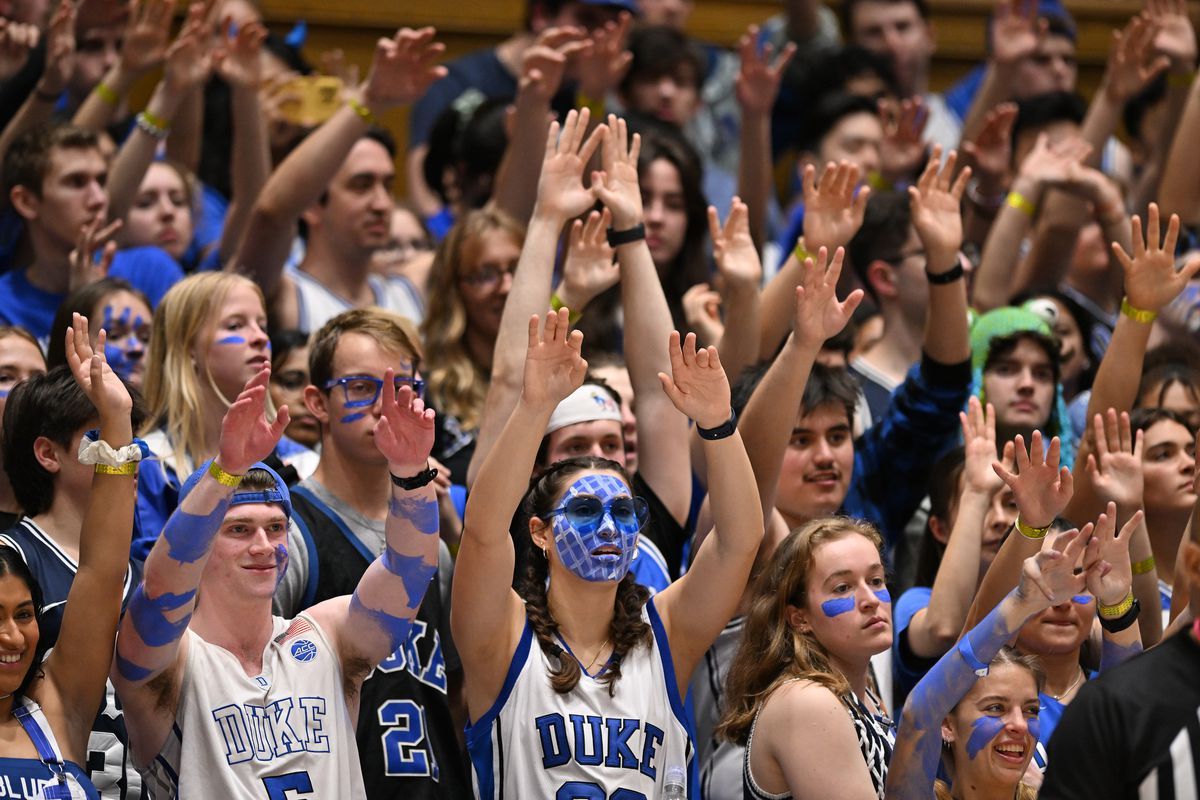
(318, 304)
(287, 733)
(535, 742)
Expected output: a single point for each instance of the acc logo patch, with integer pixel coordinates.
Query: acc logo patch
(304, 650)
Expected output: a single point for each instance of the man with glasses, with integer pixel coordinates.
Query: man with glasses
(406, 733)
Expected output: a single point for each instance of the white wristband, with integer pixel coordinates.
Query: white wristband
(94, 450)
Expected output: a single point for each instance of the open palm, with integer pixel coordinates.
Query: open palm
(697, 384)
(404, 432)
(247, 436)
(819, 315)
(553, 365)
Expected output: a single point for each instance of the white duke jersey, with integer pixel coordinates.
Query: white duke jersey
(584, 745)
(286, 733)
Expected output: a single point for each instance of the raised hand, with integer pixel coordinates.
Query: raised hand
(403, 68)
(147, 35)
(561, 193)
(1108, 203)
(819, 315)
(17, 40)
(1133, 61)
(1016, 32)
(543, 64)
(190, 57)
(833, 211)
(553, 365)
(758, 80)
(1049, 578)
(1106, 561)
(238, 60)
(1175, 37)
(603, 64)
(697, 384)
(92, 372)
(1042, 489)
(1151, 280)
(903, 146)
(247, 436)
(333, 63)
(737, 258)
(937, 210)
(85, 268)
(702, 313)
(404, 432)
(991, 152)
(979, 445)
(60, 49)
(589, 269)
(1115, 468)
(1050, 164)
(617, 185)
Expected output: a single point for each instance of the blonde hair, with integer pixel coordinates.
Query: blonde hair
(173, 386)
(772, 653)
(455, 384)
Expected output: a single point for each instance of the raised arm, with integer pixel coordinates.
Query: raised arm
(739, 273)
(1046, 578)
(561, 196)
(1014, 34)
(78, 666)
(402, 69)
(697, 606)
(663, 459)
(1110, 580)
(486, 614)
(372, 623)
(1042, 490)
(934, 630)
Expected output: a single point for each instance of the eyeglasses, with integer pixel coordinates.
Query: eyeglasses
(487, 277)
(628, 513)
(364, 390)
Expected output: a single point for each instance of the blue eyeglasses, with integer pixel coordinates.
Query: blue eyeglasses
(628, 513)
(364, 390)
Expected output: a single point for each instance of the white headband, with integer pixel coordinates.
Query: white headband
(588, 403)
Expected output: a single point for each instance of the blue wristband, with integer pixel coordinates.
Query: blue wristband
(968, 654)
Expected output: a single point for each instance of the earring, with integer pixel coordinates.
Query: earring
(545, 554)
(946, 743)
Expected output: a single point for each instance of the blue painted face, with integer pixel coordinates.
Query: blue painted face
(598, 549)
(128, 338)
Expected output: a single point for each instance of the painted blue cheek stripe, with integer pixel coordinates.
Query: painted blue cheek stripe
(355, 417)
(412, 570)
(232, 340)
(422, 512)
(837, 606)
(281, 563)
(1035, 728)
(983, 731)
(1081, 599)
(395, 627)
(131, 671)
(149, 615)
(884, 596)
(189, 536)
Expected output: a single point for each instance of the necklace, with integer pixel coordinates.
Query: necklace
(588, 668)
(1070, 688)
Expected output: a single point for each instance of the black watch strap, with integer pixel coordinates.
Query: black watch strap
(634, 234)
(942, 278)
(721, 431)
(422, 478)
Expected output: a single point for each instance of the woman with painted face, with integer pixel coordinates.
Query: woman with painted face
(574, 685)
(976, 712)
(44, 751)
(126, 317)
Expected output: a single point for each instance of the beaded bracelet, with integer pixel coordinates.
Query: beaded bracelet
(152, 125)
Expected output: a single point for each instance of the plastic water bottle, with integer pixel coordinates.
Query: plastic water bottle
(675, 785)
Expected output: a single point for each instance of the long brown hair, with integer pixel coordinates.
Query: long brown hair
(772, 652)
(627, 629)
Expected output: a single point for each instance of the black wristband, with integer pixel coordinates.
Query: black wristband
(1122, 622)
(942, 278)
(634, 234)
(422, 478)
(46, 97)
(721, 431)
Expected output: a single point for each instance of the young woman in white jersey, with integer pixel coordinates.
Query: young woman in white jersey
(47, 707)
(574, 686)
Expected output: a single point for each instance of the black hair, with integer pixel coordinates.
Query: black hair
(885, 228)
(1003, 346)
(1137, 107)
(832, 73)
(1083, 320)
(54, 406)
(825, 115)
(846, 12)
(943, 485)
(469, 138)
(11, 563)
(826, 386)
(27, 161)
(1143, 419)
(283, 342)
(1039, 111)
(660, 50)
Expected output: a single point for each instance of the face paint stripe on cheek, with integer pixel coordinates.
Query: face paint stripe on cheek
(884, 596)
(983, 731)
(229, 340)
(355, 417)
(1081, 599)
(837, 606)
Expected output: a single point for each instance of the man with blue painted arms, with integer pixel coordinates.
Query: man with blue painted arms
(220, 694)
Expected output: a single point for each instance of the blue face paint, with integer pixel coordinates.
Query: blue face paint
(281, 563)
(149, 615)
(837, 606)
(232, 340)
(395, 627)
(421, 512)
(983, 731)
(1081, 599)
(576, 545)
(884, 596)
(1035, 727)
(412, 570)
(188, 536)
(355, 417)
(131, 671)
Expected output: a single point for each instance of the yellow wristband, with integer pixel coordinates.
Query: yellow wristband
(1021, 203)
(1137, 314)
(1030, 532)
(224, 478)
(128, 468)
(1143, 566)
(557, 304)
(801, 252)
(156, 120)
(366, 114)
(596, 107)
(106, 93)
(1117, 611)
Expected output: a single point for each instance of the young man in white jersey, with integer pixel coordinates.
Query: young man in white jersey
(221, 698)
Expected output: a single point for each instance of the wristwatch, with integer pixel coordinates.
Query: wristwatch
(422, 478)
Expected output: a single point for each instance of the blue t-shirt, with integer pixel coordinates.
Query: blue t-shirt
(480, 70)
(907, 669)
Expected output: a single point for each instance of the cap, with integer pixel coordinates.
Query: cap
(588, 403)
(279, 494)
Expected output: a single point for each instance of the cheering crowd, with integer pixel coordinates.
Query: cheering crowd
(703, 424)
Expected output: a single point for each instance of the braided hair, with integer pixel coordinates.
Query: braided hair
(627, 629)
